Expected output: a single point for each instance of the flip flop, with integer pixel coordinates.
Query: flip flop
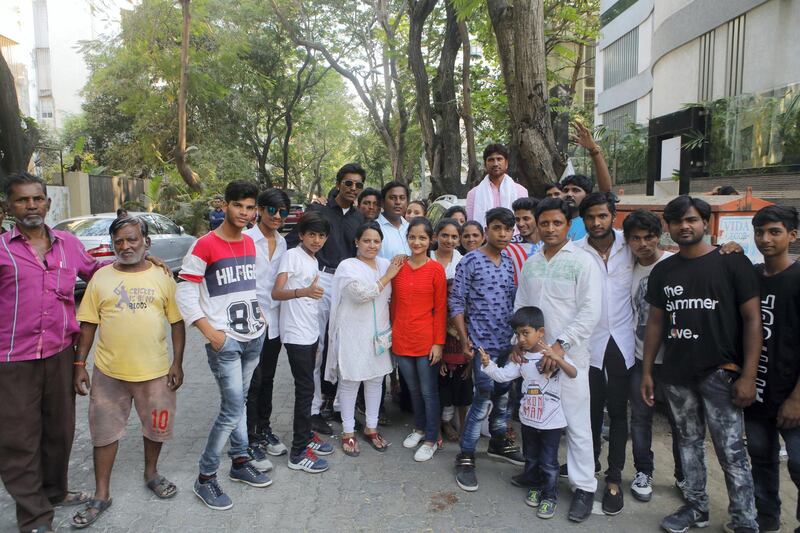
(162, 487)
(351, 442)
(377, 441)
(99, 505)
(74, 497)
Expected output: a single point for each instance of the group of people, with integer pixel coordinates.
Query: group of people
(513, 307)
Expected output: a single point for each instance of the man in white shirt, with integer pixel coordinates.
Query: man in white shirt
(564, 282)
(392, 221)
(273, 208)
(496, 189)
(612, 344)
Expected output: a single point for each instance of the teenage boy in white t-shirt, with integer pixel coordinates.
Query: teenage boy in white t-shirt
(540, 413)
(297, 288)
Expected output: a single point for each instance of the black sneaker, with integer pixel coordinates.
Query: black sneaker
(612, 503)
(319, 425)
(507, 449)
(766, 524)
(326, 409)
(730, 528)
(465, 472)
(581, 506)
(684, 518)
(521, 481)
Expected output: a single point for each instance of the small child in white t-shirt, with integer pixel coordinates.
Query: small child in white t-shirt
(540, 414)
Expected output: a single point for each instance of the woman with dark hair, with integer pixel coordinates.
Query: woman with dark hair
(361, 293)
(419, 317)
(457, 213)
(472, 237)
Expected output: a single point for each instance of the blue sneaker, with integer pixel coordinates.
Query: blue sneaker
(249, 474)
(274, 446)
(211, 494)
(319, 446)
(308, 462)
(259, 459)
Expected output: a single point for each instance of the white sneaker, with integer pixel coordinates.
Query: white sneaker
(642, 487)
(425, 452)
(413, 440)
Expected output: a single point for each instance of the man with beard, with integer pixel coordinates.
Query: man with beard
(38, 266)
(369, 203)
(612, 343)
(496, 189)
(130, 301)
(704, 307)
(526, 242)
(344, 219)
(564, 282)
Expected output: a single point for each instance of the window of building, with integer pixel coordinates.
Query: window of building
(620, 59)
(705, 84)
(618, 118)
(734, 56)
(46, 108)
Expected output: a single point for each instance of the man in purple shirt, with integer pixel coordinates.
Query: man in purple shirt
(38, 267)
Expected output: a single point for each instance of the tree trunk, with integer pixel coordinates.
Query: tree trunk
(519, 30)
(189, 176)
(16, 145)
(474, 167)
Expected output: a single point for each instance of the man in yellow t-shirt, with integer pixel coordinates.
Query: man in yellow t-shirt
(131, 301)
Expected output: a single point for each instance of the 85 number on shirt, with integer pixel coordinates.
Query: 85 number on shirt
(243, 318)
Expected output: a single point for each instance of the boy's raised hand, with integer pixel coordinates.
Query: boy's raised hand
(485, 359)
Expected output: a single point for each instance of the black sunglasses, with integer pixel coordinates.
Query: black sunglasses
(271, 211)
(350, 183)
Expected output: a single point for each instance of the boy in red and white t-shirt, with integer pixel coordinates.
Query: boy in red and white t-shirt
(540, 413)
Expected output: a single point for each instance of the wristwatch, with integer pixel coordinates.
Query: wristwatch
(564, 345)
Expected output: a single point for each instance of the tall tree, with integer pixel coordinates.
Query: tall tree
(184, 169)
(519, 30)
(16, 143)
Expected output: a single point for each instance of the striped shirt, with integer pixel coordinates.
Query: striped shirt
(38, 297)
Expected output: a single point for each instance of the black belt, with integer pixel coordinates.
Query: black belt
(327, 270)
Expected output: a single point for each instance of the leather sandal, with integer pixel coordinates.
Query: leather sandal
(352, 444)
(377, 441)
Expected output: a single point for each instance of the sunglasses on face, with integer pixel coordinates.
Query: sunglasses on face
(272, 211)
(350, 183)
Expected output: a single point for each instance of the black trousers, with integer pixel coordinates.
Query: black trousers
(301, 361)
(259, 397)
(37, 425)
(609, 388)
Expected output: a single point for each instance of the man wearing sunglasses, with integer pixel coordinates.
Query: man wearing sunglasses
(344, 218)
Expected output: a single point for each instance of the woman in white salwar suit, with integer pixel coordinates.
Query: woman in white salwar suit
(360, 309)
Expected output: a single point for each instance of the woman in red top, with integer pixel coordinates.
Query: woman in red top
(419, 316)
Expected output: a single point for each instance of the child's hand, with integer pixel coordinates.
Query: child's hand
(485, 359)
(314, 291)
(443, 370)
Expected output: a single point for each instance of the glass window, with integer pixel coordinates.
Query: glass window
(167, 226)
(86, 227)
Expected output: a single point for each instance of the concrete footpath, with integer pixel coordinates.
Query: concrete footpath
(373, 492)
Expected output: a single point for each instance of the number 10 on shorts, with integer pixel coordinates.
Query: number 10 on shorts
(160, 419)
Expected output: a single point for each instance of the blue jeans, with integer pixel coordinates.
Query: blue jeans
(540, 447)
(233, 368)
(709, 401)
(486, 390)
(642, 425)
(422, 380)
(763, 445)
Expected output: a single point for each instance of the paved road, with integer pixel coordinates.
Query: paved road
(371, 492)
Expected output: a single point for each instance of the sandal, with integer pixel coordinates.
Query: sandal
(87, 515)
(74, 497)
(162, 487)
(450, 432)
(377, 441)
(352, 444)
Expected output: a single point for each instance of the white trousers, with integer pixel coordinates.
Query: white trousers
(326, 282)
(347, 394)
(580, 448)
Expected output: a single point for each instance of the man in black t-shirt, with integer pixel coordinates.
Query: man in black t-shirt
(704, 307)
(777, 406)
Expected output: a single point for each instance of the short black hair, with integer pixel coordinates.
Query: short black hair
(608, 199)
(455, 209)
(351, 168)
(501, 214)
(368, 225)
(727, 190)
(391, 185)
(369, 191)
(641, 219)
(785, 215)
(273, 198)
(677, 208)
(127, 221)
(22, 178)
(526, 203)
(313, 221)
(579, 180)
(121, 210)
(548, 186)
(473, 223)
(527, 316)
(552, 204)
(495, 148)
(443, 223)
(241, 189)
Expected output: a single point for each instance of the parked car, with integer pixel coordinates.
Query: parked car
(295, 212)
(440, 206)
(168, 240)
